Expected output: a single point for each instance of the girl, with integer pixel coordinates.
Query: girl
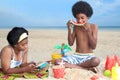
(14, 55)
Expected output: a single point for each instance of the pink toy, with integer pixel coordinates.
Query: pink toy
(116, 60)
(111, 61)
(94, 77)
(108, 64)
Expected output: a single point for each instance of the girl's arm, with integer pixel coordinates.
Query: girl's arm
(28, 68)
(6, 53)
(24, 62)
(5, 63)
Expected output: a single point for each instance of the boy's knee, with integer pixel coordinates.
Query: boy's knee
(95, 61)
(56, 62)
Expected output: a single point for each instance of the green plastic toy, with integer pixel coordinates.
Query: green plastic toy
(64, 48)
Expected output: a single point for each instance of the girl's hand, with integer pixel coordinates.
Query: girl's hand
(30, 68)
(32, 62)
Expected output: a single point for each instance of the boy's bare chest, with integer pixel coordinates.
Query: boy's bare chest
(81, 36)
(81, 32)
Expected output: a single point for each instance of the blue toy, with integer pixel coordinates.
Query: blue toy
(64, 48)
(42, 65)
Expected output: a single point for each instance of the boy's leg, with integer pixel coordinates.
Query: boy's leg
(91, 64)
(88, 64)
(67, 65)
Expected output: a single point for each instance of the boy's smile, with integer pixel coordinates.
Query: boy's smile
(81, 18)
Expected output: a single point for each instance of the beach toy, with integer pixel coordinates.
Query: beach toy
(94, 77)
(58, 71)
(76, 23)
(108, 64)
(61, 63)
(56, 56)
(64, 48)
(107, 73)
(111, 61)
(116, 72)
(42, 65)
(116, 60)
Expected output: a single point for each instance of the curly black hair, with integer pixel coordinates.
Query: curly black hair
(14, 35)
(82, 7)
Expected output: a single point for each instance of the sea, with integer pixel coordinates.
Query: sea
(109, 28)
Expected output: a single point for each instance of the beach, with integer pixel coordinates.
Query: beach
(42, 42)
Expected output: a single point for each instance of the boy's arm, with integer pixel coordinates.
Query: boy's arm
(92, 35)
(71, 34)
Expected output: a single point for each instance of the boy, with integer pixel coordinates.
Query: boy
(85, 36)
(14, 55)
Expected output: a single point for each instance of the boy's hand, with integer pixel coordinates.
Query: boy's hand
(69, 24)
(87, 27)
(78, 24)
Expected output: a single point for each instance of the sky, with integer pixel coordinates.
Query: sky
(55, 12)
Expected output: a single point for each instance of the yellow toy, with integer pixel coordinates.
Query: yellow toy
(56, 56)
(116, 72)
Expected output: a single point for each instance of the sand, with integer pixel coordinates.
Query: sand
(41, 43)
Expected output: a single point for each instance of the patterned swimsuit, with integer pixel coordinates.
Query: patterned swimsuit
(78, 58)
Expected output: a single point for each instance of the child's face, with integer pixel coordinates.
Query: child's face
(23, 44)
(81, 18)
